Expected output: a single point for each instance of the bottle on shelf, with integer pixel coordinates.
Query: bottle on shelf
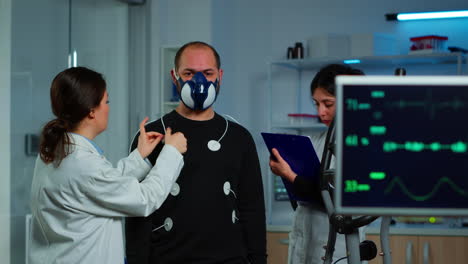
(400, 71)
(299, 50)
(290, 54)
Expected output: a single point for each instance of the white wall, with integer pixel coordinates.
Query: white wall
(183, 21)
(5, 59)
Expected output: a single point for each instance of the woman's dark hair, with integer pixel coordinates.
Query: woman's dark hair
(325, 78)
(73, 94)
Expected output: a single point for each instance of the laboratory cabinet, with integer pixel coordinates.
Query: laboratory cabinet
(408, 245)
(421, 249)
(277, 247)
(288, 92)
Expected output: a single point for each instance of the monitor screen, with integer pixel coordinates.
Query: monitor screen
(401, 145)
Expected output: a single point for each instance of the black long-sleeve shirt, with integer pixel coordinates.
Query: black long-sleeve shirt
(209, 226)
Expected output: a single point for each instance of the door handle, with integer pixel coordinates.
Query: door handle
(426, 253)
(409, 252)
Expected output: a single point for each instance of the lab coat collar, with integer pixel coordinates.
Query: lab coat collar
(82, 141)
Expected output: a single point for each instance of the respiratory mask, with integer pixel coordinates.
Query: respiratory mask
(197, 93)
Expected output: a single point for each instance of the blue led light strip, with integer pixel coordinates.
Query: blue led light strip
(432, 15)
(351, 61)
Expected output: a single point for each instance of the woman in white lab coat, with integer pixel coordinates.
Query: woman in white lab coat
(309, 232)
(78, 199)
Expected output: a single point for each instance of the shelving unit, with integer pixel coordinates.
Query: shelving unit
(395, 60)
(292, 95)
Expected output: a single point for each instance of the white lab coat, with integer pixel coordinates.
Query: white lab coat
(78, 208)
(310, 226)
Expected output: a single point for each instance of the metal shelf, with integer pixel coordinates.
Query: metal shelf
(430, 58)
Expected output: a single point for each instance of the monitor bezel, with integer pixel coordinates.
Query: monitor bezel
(342, 81)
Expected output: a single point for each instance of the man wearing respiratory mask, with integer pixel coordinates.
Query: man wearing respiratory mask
(215, 212)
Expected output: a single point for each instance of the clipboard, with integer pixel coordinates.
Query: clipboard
(299, 153)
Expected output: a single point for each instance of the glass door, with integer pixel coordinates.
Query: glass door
(39, 48)
(48, 36)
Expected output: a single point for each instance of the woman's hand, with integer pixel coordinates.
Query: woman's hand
(280, 167)
(147, 141)
(177, 140)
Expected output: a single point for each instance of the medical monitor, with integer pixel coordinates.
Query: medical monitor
(401, 145)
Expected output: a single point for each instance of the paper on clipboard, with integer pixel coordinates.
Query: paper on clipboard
(299, 153)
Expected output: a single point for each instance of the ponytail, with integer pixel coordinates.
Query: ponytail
(54, 142)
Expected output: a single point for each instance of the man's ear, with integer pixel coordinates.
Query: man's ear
(220, 76)
(174, 75)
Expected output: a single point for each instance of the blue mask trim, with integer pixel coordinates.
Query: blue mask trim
(200, 96)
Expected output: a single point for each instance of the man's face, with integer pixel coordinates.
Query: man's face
(198, 59)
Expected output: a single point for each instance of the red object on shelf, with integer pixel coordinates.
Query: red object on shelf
(430, 42)
(429, 37)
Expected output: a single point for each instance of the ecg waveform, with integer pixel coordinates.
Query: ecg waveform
(455, 104)
(414, 146)
(397, 181)
(428, 104)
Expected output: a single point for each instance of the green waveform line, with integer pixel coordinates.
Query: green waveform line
(455, 104)
(420, 198)
(414, 146)
(432, 106)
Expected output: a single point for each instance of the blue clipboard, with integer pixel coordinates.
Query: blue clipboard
(299, 153)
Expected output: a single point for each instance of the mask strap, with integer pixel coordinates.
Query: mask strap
(162, 122)
(175, 74)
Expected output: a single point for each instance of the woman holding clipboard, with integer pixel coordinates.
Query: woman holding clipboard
(310, 225)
